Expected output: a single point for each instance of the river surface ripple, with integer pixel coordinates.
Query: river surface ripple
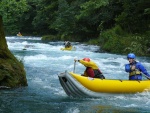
(43, 61)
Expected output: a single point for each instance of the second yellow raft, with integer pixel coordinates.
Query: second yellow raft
(71, 48)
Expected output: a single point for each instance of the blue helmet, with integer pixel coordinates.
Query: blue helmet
(131, 55)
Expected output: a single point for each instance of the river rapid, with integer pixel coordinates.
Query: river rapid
(43, 61)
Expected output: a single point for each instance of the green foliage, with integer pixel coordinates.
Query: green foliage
(117, 41)
(50, 37)
(93, 42)
(13, 7)
(135, 16)
(45, 16)
(89, 7)
(147, 11)
(101, 22)
(89, 18)
(26, 20)
(11, 11)
(137, 45)
(112, 40)
(65, 21)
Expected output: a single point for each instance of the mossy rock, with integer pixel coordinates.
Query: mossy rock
(12, 73)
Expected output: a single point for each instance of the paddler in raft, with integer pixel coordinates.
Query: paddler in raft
(135, 69)
(19, 34)
(92, 69)
(67, 44)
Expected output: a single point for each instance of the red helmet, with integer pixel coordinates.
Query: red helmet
(86, 59)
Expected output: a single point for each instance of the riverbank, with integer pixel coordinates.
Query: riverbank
(115, 41)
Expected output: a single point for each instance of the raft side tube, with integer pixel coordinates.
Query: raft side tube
(70, 89)
(73, 85)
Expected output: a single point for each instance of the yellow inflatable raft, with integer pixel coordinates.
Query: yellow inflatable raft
(71, 48)
(76, 85)
(19, 35)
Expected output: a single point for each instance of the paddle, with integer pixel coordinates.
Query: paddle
(143, 74)
(74, 66)
(146, 76)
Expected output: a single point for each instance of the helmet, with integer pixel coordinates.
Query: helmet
(131, 55)
(86, 59)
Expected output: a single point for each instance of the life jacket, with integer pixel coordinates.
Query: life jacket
(95, 73)
(98, 74)
(136, 71)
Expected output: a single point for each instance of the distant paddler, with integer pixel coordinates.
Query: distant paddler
(28, 46)
(68, 46)
(19, 34)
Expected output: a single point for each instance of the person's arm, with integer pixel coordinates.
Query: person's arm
(85, 74)
(90, 72)
(127, 68)
(142, 69)
(88, 64)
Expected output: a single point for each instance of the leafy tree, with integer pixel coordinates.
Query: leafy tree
(135, 16)
(89, 18)
(45, 16)
(96, 16)
(27, 18)
(64, 22)
(12, 11)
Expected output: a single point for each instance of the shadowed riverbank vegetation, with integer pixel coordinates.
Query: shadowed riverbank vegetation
(117, 26)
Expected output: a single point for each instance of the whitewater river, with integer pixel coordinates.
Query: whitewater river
(43, 61)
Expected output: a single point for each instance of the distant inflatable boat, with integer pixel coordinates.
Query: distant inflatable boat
(76, 85)
(72, 48)
(19, 35)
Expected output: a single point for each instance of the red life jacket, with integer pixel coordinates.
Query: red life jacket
(94, 73)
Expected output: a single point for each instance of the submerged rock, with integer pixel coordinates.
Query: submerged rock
(12, 73)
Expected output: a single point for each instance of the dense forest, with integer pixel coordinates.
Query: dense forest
(117, 26)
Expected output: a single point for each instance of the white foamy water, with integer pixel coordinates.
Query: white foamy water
(43, 62)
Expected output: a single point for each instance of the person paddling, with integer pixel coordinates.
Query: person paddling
(135, 69)
(92, 69)
(19, 34)
(67, 44)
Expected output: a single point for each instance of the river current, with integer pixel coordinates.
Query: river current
(43, 61)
